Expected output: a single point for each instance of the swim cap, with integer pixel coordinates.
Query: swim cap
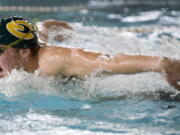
(15, 28)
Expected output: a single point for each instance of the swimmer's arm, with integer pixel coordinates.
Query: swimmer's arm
(128, 64)
(48, 24)
(89, 62)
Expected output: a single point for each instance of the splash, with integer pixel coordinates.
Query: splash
(21, 82)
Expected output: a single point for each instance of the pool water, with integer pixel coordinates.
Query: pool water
(106, 105)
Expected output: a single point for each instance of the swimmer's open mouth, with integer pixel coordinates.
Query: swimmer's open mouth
(1, 69)
(2, 73)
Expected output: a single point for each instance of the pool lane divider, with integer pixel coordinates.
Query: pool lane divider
(41, 8)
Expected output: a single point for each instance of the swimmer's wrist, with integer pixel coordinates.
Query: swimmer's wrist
(157, 63)
(164, 63)
(154, 64)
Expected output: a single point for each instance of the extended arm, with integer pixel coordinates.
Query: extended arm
(84, 63)
(135, 63)
(129, 64)
(87, 62)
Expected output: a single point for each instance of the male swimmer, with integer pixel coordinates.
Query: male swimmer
(30, 55)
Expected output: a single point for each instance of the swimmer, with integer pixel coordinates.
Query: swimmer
(30, 55)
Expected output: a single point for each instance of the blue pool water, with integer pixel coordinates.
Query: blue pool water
(140, 104)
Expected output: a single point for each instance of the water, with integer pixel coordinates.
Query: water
(119, 104)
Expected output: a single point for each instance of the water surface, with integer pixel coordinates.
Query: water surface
(119, 104)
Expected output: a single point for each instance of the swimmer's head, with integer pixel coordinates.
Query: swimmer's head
(18, 45)
(18, 31)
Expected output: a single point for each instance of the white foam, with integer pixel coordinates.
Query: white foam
(144, 16)
(21, 82)
(86, 107)
(115, 40)
(114, 16)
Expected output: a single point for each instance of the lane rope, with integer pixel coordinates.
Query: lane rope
(41, 8)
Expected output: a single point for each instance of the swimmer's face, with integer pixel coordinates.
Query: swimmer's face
(9, 59)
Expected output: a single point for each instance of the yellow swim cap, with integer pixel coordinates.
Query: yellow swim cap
(15, 28)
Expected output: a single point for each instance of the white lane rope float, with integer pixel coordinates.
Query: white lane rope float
(41, 8)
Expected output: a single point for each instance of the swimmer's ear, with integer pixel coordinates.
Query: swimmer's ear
(24, 52)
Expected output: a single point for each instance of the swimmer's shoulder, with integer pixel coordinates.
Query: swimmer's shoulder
(55, 50)
(53, 60)
(65, 51)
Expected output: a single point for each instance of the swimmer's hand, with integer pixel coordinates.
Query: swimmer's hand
(171, 70)
(50, 25)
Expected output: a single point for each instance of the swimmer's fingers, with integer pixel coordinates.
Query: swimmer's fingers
(62, 37)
